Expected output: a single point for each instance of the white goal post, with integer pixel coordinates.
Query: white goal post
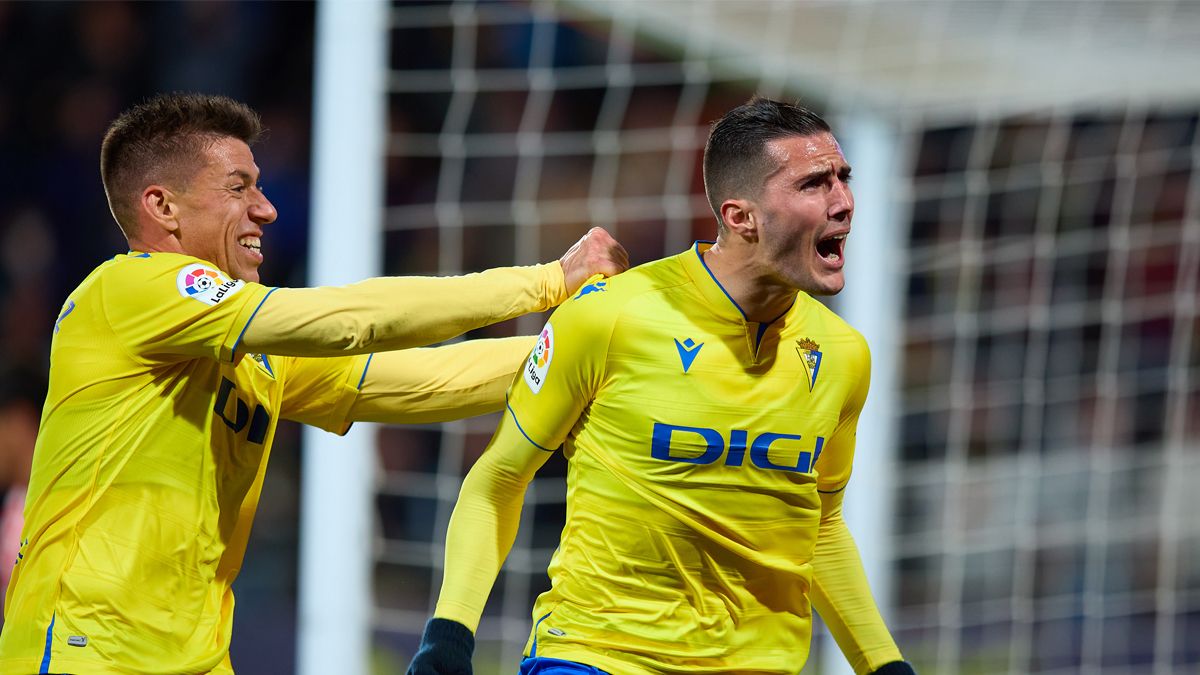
(338, 474)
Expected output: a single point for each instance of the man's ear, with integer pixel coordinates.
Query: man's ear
(160, 206)
(740, 218)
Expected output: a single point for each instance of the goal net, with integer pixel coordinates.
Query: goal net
(1038, 513)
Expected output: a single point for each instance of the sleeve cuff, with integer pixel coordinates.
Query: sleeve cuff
(233, 340)
(556, 285)
(450, 633)
(896, 668)
(356, 374)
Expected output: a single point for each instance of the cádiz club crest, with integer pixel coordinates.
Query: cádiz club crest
(810, 356)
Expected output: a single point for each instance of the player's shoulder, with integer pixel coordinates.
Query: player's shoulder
(137, 266)
(833, 326)
(134, 282)
(120, 270)
(612, 294)
(151, 272)
(596, 308)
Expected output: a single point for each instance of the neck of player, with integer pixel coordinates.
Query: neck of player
(761, 297)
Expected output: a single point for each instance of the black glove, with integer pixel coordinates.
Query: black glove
(446, 649)
(896, 668)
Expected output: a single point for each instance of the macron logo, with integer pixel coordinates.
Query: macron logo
(597, 287)
(687, 352)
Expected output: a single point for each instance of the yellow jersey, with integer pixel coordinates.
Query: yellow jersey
(699, 445)
(148, 467)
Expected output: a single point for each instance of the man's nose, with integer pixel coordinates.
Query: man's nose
(263, 211)
(841, 203)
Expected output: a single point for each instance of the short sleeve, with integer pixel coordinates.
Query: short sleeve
(563, 372)
(166, 307)
(321, 391)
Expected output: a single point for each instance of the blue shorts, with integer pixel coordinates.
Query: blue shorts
(541, 665)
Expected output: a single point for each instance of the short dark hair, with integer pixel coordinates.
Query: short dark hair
(735, 157)
(164, 139)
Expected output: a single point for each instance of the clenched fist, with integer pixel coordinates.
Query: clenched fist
(596, 253)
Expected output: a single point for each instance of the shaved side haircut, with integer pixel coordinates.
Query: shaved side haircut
(163, 141)
(736, 162)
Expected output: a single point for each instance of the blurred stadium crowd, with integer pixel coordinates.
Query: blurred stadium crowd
(66, 70)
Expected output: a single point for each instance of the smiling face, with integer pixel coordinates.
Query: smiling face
(804, 212)
(222, 211)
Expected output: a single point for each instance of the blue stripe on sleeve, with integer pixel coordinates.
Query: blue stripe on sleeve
(45, 668)
(233, 352)
(518, 423)
(365, 367)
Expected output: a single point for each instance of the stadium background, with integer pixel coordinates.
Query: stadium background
(1046, 402)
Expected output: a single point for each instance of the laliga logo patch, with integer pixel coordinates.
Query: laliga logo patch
(205, 284)
(539, 360)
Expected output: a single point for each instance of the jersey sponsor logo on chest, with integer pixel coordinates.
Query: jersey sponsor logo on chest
(769, 450)
(235, 413)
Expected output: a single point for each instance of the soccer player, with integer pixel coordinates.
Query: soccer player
(170, 367)
(706, 405)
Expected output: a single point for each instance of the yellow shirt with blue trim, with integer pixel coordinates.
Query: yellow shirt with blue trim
(148, 469)
(701, 448)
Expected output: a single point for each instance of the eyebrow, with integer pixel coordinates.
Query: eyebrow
(240, 174)
(842, 173)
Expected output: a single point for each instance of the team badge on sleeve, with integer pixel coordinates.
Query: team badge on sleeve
(539, 360)
(203, 283)
(811, 357)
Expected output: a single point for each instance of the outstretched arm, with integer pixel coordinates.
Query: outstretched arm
(560, 378)
(438, 384)
(390, 313)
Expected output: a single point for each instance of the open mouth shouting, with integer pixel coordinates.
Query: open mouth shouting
(832, 249)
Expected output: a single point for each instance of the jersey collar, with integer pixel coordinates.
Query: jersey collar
(715, 295)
